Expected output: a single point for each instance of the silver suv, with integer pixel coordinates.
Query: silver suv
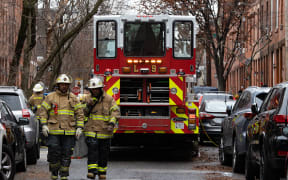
(19, 105)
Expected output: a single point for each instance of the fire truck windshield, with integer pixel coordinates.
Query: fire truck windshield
(144, 39)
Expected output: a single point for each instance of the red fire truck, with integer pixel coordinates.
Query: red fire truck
(148, 66)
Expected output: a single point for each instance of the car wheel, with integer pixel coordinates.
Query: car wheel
(250, 170)
(266, 172)
(22, 166)
(7, 163)
(237, 162)
(224, 158)
(32, 154)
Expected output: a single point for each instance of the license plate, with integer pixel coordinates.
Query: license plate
(179, 125)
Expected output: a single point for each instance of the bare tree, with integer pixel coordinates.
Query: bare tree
(26, 22)
(218, 21)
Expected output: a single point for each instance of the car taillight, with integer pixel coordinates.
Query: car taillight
(206, 116)
(248, 115)
(280, 118)
(25, 113)
(282, 153)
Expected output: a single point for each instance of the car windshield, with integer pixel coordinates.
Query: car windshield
(222, 97)
(217, 106)
(12, 100)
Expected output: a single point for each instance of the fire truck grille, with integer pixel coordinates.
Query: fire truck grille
(144, 90)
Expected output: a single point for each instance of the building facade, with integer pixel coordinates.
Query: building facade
(10, 20)
(262, 61)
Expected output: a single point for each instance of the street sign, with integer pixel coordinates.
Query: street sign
(76, 90)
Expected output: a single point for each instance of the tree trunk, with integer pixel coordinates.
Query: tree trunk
(221, 83)
(14, 65)
(29, 45)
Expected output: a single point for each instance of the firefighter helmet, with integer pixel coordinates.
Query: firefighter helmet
(63, 78)
(95, 83)
(38, 88)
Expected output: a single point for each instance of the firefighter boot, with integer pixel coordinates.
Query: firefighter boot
(53, 168)
(102, 176)
(91, 175)
(64, 172)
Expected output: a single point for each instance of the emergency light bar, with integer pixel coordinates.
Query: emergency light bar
(152, 61)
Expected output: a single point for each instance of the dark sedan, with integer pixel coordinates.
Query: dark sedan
(12, 147)
(267, 135)
(233, 145)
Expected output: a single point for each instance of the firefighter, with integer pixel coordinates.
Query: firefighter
(36, 99)
(102, 112)
(35, 102)
(57, 117)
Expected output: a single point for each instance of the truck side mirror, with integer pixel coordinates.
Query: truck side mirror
(228, 110)
(254, 108)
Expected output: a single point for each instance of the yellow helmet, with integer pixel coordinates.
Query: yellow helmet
(95, 83)
(38, 88)
(63, 78)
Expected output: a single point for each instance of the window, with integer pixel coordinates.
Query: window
(183, 39)
(106, 39)
(274, 100)
(245, 101)
(12, 100)
(144, 39)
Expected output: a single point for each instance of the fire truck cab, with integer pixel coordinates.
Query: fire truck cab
(148, 65)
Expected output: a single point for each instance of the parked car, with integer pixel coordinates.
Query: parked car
(214, 95)
(211, 115)
(233, 145)
(17, 101)
(200, 89)
(12, 142)
(267, 136)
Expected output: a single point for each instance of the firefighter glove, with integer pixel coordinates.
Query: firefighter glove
(110, 127)
(45, 130)
(78, 133)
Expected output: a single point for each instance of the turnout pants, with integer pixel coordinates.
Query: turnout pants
(98, 154)
(60, 150)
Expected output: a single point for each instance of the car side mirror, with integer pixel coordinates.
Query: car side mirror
(254, 108)
(228, 110)
(23, 121)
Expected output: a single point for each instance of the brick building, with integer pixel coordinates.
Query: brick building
(264, 49)
(10, 20)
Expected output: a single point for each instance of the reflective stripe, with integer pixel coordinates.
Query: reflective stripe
(62, 112)
(37, 97)
(56, 132)
(90, 134)
(92, 166)
(80, 123)
(104, 136)
(86, 119)
(99, 117)
(113, 120)
(114, 108)
(102, 169)
(38, 106)
(64, 177)
(62, 132)
(78, 106)
(84, 105)
(46, 105)
(43, 121)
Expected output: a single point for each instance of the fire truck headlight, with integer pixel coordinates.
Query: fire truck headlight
(115, 90)
(173, 90)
